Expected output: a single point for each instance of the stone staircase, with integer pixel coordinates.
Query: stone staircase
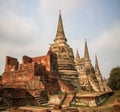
(41, 98)
(68, 99)
(93, 84)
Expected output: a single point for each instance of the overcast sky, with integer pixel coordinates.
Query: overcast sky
(28, 27)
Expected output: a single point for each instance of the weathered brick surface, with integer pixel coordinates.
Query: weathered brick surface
(34, 75)
(29, 68)
(26, 59)
(11, 64)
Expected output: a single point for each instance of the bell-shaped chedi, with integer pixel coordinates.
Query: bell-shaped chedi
(65, 57)
(90, 77)
(87, 77)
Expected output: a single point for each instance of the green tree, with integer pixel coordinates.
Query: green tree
(114, 79)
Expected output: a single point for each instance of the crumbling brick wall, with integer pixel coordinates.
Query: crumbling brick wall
(33, 73)
(49, 60)
(53, 62)
(12, 64)
(26, 60)
(44, 60)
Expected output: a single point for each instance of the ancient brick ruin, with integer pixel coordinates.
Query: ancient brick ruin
(37, 80)
(36, 76)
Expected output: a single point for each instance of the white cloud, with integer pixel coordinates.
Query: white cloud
(109, 38)
(15, 28)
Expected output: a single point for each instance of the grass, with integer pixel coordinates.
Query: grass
(111, 99)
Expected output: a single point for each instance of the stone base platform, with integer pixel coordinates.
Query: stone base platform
(91, 99)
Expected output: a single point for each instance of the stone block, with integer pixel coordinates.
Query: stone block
(11, 64)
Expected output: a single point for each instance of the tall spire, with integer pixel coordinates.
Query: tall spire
(86, 53)
(96, 63)
(60, 35)
(77, 55)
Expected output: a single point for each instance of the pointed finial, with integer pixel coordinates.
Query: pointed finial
(60, 35)
(86, 53)
(59, 11)
(96, 63)
(77, 55)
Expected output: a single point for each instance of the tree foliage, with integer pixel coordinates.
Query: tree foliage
(114, 79)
